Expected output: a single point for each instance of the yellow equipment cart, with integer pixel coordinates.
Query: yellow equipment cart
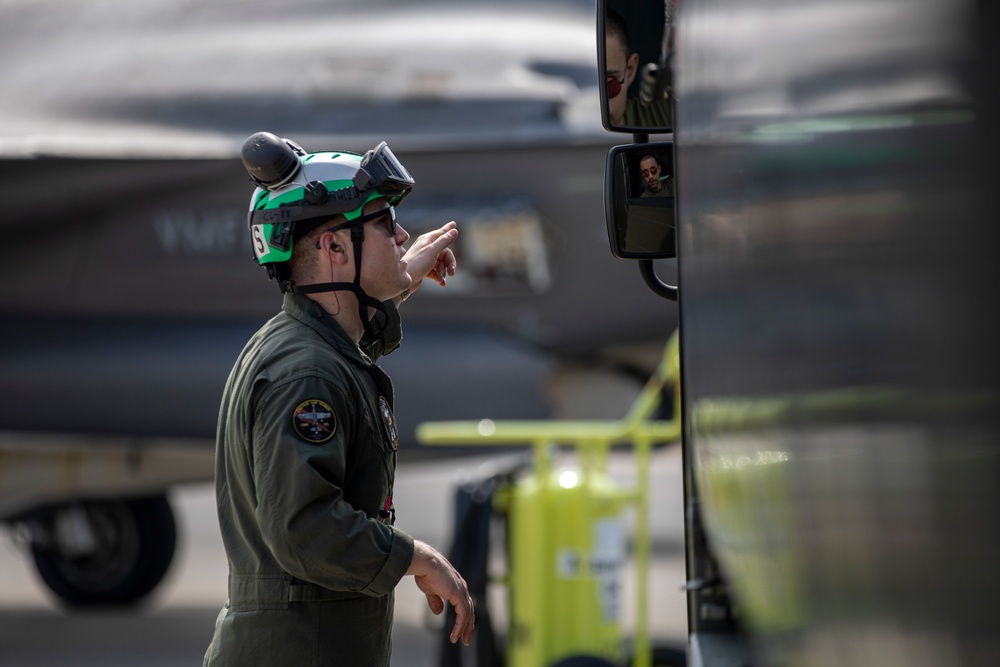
(565, 540)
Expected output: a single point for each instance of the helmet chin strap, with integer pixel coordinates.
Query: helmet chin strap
(364, 301)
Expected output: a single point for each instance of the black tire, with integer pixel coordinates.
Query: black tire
(134, 545)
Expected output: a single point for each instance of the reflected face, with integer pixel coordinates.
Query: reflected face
(621, 69)
(650, 170)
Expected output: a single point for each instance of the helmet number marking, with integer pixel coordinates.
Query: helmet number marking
(259, 243)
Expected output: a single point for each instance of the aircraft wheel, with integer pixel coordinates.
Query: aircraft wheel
(106, 553)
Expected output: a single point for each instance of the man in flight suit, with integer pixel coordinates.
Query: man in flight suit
(306, 447)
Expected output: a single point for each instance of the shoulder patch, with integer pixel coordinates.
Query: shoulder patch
(314, 421)
(389, 422)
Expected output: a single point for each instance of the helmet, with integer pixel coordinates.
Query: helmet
(297, 191)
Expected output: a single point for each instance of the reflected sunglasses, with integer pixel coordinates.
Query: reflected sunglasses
(614, 87)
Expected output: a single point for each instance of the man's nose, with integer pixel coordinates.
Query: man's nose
(402, 236)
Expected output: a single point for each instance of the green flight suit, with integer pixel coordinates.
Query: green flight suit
(305, 460)
(658, 114)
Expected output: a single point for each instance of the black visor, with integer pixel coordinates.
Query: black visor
(385, 173)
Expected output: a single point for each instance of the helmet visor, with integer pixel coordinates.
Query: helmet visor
(384, 173)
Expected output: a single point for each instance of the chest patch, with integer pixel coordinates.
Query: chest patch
(389, 421)
(314, 421)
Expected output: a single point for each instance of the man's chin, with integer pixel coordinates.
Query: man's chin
(407, 284)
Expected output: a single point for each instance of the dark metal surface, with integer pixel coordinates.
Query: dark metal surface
(838, 293)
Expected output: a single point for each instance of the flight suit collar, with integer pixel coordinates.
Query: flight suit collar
(312, 315)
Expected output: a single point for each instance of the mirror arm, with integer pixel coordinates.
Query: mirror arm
(653, 281)
(640, 138)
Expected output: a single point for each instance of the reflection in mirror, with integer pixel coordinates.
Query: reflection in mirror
(635, 59)
(639, 201)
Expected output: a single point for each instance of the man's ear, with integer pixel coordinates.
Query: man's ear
(327, 242)
(631, 66)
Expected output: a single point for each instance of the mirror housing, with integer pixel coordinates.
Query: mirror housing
(635, 61)
(640, 210)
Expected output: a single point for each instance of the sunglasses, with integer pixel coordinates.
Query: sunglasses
(652, 170)
(614, 87)
(388, 213)
(390, 225)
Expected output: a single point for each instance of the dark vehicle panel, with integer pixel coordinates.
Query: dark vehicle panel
(838, 296)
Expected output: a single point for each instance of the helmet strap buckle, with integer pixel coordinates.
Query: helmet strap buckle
(281, 236)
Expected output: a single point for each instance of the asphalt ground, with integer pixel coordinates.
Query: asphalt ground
(175, 626)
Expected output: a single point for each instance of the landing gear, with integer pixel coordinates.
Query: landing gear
(104, 553)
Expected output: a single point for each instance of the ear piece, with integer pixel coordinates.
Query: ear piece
(333, 246)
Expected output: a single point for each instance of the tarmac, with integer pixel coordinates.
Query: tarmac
(175, 626)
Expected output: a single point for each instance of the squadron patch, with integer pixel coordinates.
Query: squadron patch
(389, 421)
(314, 421)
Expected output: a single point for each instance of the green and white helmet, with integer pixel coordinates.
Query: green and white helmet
(297, 191)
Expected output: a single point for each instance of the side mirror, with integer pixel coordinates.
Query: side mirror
(639, 191)
(634, 45)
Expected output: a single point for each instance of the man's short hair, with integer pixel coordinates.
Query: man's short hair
(614, 25)
(303, 262)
